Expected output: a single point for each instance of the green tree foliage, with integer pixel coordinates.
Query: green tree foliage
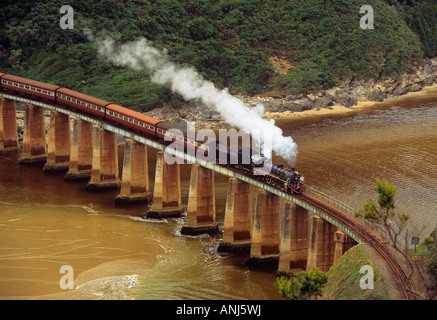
(302, 286)
(431, 267)
(420, 17)
(394, 225)
(228, 41)
(384, 213)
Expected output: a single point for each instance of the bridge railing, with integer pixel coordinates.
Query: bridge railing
(322, 196)
(343, 206)
(337, 203)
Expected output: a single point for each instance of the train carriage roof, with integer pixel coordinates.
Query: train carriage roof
(33, 83)
(174, 124)
(133, 114)
(85, 97)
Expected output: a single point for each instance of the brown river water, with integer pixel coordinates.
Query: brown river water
(46, 223)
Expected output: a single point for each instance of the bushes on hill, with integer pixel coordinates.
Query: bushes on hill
(228, 41)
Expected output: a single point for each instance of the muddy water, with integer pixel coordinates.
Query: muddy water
(46, 223)
(342, 155)
(115, 253)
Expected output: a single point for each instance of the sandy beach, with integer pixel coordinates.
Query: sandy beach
(338, 109)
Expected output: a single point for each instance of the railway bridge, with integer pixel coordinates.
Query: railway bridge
(312, 232)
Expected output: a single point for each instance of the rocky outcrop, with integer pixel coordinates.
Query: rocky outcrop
(347, 94)
(190, 111)
(350, 92)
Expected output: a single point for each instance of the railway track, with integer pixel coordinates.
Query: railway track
(364, 232)
(367, 235)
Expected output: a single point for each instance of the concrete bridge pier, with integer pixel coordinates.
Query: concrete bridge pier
(104, 173)
(264, 249)
(8, 125)
(167, 190)
(238, 217)
(294, 239)
(201, 214)
(321, 245)
(135, 176)
(58, 149)
(81, 153)
(342, 244)
(34, 136)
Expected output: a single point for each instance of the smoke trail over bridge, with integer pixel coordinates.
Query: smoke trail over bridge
(141, 55)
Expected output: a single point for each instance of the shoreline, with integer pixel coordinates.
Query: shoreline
(340, 109)
(279, 116)
(347, 97)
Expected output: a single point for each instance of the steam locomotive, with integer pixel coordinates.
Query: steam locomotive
(248, 162)
(253, 163)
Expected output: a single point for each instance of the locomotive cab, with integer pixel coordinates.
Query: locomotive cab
(258, 160)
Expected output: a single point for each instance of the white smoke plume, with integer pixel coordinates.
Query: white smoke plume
(140, 55)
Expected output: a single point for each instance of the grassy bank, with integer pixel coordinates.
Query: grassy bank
(344, 278)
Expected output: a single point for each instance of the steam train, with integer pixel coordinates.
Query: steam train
(248, 162)
(253, 163)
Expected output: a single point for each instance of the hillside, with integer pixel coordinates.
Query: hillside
(249, 46)
(344, 278)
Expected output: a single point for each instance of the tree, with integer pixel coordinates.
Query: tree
(431, 267)
(393, 224)
(302, 286)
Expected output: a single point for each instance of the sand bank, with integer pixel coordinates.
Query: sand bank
(338, 109)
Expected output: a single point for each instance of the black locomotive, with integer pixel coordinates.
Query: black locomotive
(254, 163)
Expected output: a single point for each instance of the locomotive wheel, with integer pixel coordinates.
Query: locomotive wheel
(269, 179)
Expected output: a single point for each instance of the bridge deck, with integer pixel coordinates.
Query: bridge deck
(343, 220)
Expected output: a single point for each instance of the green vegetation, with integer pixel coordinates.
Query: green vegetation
(341, 282)
(384, 214)
(344, 278)
(420, 17)
(230, 42)
(303, 286)
(428, 252)
(431, 266)
(394, 225)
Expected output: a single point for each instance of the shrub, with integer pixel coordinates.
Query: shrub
(302, 286)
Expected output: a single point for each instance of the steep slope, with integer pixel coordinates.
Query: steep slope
(248, 46)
